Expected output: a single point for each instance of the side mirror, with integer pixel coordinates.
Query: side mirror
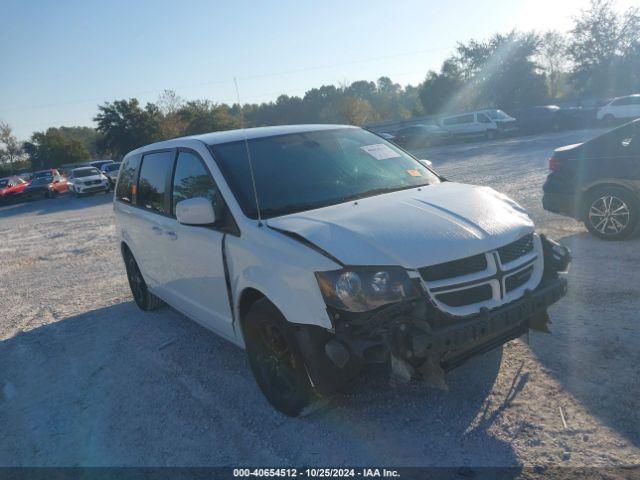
(195, 211)
(426, 163)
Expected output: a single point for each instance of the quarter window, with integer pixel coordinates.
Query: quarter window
(127, 180)
(153, 180)
(191, 180)
(622, 101)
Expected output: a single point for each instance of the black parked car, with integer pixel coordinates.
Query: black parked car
(598, 182)
(415, 136)
(548, 118)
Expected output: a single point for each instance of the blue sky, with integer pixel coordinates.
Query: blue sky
(62, 58)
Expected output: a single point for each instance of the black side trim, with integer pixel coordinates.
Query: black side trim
(227, 278)
(309, 244)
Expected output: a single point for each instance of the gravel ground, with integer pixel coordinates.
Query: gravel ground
(88, 379)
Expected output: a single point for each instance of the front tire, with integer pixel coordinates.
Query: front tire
(275, 361)
(146, 300)
(611, 213)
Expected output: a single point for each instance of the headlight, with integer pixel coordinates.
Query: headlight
(361, 289)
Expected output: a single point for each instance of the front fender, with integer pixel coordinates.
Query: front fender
(282, 269)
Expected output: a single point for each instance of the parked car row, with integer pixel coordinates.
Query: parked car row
(51, 182)
(492, 123)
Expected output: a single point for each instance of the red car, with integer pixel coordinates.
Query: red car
(48, 183)
(11, 187)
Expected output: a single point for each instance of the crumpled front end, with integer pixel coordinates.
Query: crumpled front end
(421, 339)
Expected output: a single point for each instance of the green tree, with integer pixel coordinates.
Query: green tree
(87, 136)
(10, 148)
(125, 125)
(357, 111)
(53, 149)
(554, 61)
(501, 72)
(605, 50)
(202, 116)
(439, 89)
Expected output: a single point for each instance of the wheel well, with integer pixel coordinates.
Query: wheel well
(248, 297)
(125, 250)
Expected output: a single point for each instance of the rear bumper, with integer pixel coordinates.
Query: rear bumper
(561, 203)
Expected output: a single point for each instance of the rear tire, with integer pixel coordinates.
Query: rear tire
(275, 361)
(611, 213)
(146, 300)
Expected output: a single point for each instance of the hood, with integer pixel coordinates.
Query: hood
(90, 178)
(412, 228)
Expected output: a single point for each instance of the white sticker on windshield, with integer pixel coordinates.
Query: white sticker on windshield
(380, 151)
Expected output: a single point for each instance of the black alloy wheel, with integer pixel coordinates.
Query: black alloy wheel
(275, 362)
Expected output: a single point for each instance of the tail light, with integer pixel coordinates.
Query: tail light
(555, 163)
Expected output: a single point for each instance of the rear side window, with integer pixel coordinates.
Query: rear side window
(152, 183)
(191, 180)
(482, 118)
(127, 180)
(622, 101)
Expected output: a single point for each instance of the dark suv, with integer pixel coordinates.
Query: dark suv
(598, 182)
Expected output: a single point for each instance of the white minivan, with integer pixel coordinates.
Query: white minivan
(321, 249)
(620, 108)
(489, 123)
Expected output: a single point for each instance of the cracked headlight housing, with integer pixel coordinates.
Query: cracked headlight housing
(361, 289)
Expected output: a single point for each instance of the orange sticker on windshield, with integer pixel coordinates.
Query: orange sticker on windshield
(414, 173)
(133, 190)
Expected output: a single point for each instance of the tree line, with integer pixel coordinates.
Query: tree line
(598, 58)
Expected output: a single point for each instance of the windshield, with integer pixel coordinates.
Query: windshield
(497, 115)
(302, 171)
(85, 172)
(111, 167)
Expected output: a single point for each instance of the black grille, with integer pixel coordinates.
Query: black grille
(456, 268)
(518, 279)
(93, 182)
(516, 249)
(466, 296)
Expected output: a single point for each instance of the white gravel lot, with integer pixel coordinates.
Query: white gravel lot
(88, 379)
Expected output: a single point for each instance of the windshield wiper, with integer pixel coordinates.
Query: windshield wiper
(301, 207)
(380, 191)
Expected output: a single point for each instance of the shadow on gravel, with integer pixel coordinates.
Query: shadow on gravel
(46, 206)
(117, 386)
(593, 350)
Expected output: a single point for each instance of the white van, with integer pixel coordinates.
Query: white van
(323, 248)
(488, 123)
(620, 108)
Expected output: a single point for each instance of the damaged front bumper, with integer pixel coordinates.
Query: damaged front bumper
(417, 339)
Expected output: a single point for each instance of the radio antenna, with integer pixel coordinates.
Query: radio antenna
(246, 146)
